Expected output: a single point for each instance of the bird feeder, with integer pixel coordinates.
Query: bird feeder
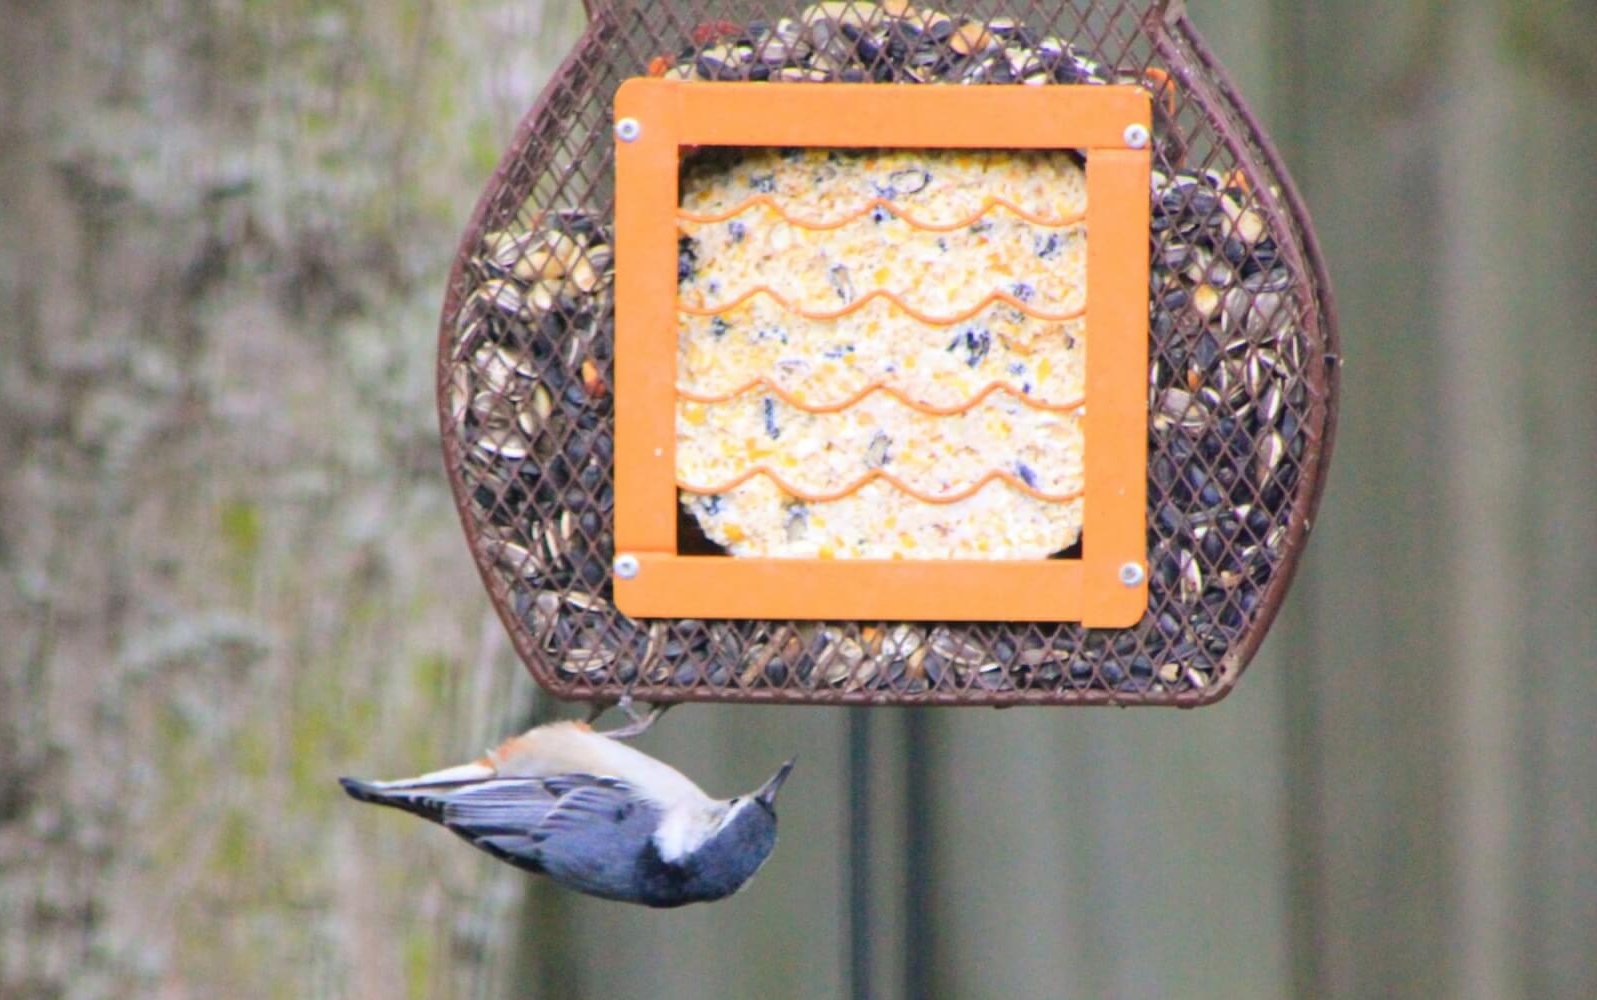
(763, 380)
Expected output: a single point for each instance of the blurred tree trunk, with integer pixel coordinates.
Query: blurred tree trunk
(229, 568)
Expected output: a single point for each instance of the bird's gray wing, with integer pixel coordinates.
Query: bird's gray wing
(503, 816)
(582, 830)
(593, 837)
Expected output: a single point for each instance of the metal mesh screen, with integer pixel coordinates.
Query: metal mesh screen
(1241, 385)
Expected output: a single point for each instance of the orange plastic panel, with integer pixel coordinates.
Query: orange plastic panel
(656, 119)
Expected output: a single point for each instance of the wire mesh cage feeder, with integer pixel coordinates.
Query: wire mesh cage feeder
(762, 381)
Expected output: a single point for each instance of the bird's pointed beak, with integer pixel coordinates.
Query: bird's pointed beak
(767, 792)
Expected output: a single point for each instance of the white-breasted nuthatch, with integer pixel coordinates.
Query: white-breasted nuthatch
(595, 815)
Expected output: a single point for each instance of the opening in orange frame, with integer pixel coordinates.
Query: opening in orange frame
(655, 120)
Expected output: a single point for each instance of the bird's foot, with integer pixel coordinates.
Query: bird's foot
(640, 721)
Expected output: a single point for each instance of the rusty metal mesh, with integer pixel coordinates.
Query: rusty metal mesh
(1242, 378)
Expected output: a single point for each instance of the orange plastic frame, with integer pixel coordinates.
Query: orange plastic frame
(1106, 587)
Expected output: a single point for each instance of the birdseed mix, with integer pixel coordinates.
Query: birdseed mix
(832, 276)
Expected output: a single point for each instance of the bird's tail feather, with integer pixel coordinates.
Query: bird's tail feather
(424, 802)
(461, 774)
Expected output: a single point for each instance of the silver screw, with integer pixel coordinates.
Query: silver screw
(1137, 135)
(1131, 574)
(627, 566)
(628, 130)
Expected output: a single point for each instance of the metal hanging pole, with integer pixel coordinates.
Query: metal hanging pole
(919, 942)
(860, 947)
